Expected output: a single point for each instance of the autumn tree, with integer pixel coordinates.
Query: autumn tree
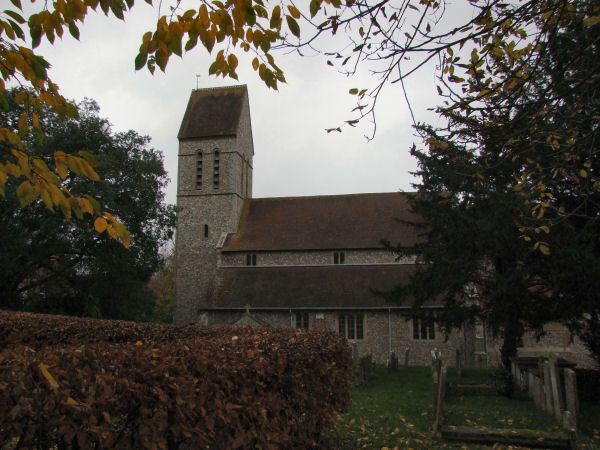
(49, 264)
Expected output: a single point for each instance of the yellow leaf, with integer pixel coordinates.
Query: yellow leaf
(13, 169)
(70, 401)
(139, 343)
(275, 17)
(23, 125)
(294, 11)
(100, 224)
(544, 249)
(44, 369)
(47, 199)
(60, 162)
(86, 206)
(87, 169)
(583, 173)
(232, 60)
(26, 193)
(591, 21)
(293, 26)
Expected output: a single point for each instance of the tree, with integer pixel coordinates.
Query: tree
(472, 257)
(162, 285)
(468, 183)
(51, 264)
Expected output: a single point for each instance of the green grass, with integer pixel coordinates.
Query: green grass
(497, 412)
(394, 410)
(470, 375)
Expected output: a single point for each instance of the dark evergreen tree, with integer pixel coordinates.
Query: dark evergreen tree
(482, 176)
(48, 264)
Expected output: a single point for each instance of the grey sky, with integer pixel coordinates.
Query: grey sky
(293, 153)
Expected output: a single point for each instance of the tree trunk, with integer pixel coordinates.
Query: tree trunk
(513, 332)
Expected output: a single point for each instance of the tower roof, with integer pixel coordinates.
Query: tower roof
(213, 112)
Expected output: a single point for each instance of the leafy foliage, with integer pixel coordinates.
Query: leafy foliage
(52, 265)
(503, 381)
(162, 285)
(511, 213)
(166, 386)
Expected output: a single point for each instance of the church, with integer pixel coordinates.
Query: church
(301, 262)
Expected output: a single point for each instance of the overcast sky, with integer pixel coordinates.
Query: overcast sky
(293, 153)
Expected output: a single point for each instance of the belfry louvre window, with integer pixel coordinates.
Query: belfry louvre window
(302, 320)
(339, 257)
(199, 170)
(424, 328)
(351, 326)
(251, 259)
(216, 170)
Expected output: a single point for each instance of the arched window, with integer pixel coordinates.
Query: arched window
(205, 230)
(216, 170)
(199, 170)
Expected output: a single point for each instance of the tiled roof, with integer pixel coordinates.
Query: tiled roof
(213, 112)
(356, 221)
(347, 286)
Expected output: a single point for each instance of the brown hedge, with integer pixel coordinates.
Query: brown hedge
(41, 330)
(242, 388)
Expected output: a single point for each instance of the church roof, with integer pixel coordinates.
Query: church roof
(336, 286)
(357, 221)
(213, 112)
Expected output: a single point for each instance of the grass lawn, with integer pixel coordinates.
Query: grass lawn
(497, 412)
(394, 410)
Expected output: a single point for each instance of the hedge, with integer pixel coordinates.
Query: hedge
(226, 388)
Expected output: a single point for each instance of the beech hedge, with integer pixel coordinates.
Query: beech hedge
(80, 383)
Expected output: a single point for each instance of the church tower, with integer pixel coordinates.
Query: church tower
(214, 179)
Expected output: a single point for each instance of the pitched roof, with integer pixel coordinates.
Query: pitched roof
(347, 286)
(357, 221)
(213, 112)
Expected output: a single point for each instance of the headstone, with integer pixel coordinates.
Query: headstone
(571, 396)
(557, 403)
(538, 392)
(547, 388)
(354, 351)
(435, 375)
(392, 362)
(567, 420)
(441, 392)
